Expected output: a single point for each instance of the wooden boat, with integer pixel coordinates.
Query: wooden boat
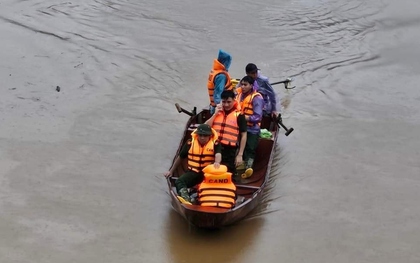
(249, 191)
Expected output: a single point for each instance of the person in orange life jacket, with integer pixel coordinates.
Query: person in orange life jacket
(231, 127)
(263, 86)
(219, 78)
(203, 149)
(251, 103)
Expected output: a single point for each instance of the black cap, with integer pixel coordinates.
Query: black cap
(203, 129)
(251, 67)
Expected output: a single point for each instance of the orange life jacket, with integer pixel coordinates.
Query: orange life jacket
(227, 126)
(217, 188)
(218, 68)
(246, 104)
(201, 156)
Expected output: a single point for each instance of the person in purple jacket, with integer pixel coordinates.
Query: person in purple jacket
(252, 104)
(263, 87)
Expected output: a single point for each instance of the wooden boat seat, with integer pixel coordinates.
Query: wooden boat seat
(247, 186)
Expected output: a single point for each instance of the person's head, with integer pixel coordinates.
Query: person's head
(203, 133)
(228, 99)
(224, 58)
(252, 70)
(247, 84)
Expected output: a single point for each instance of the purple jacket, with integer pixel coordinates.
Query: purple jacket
(266, 90)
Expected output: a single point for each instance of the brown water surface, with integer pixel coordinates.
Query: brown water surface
(81, 169)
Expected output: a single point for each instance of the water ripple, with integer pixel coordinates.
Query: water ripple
(319, 40)
(333, 34)
(32, 28)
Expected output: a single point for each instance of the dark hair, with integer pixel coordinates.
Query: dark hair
(251, 68)
(226, 94)
(248, 79)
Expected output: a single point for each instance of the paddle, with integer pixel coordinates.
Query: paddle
(279, 122)
(190, 113)
(286, 83)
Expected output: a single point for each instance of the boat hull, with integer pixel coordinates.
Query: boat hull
(250, 191)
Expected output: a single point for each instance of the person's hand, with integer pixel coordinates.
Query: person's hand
(274, 114)
(216, 165)
(278, 118)
(167, 174)
(219, 107)
(238, 160)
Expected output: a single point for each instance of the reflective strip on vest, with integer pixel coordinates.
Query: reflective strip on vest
(200, 156)
(216, 195)
(217, 190)
(210, 83)
(227, 127)
(246, 105)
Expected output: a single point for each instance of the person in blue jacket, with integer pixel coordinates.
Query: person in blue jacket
(219, 78)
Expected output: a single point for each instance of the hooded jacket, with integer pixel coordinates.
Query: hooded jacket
(267, 91)
(219, 82)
